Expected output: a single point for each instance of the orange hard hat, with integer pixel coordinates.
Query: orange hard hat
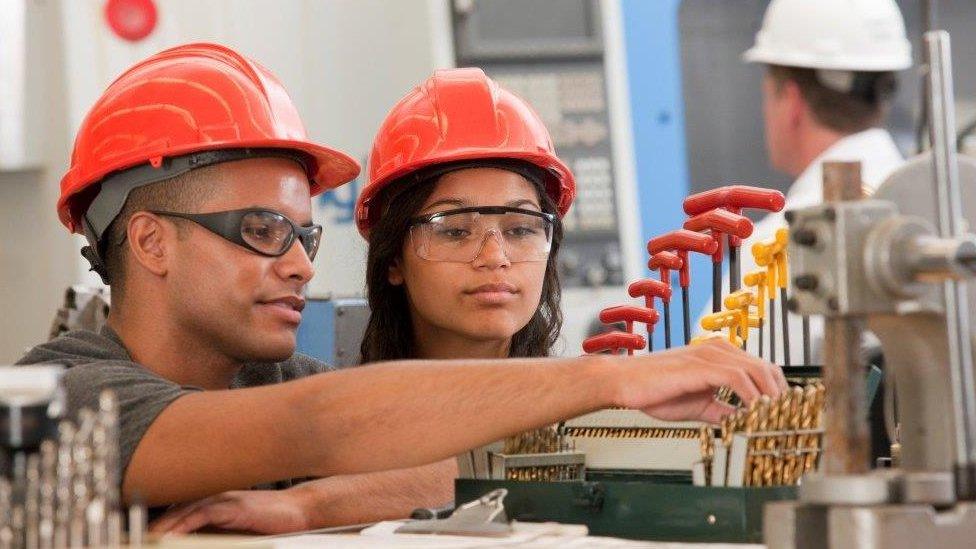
(460, 116)
(194, 98)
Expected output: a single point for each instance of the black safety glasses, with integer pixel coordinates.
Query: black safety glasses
(265, 232)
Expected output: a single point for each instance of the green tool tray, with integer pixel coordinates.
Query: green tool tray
(660, 506)
(643, 510)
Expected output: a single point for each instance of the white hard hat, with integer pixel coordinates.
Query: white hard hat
(852, 35)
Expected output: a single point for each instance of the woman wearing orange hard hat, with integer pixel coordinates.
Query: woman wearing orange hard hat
(462, 210)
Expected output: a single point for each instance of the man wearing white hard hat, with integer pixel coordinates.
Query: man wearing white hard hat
(830, 77)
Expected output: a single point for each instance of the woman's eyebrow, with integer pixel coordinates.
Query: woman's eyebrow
(459, 202)
(448, 201)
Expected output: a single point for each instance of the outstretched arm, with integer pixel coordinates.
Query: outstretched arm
(406, 414)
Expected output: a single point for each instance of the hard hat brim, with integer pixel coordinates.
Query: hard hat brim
(891, 63)
(329, 169)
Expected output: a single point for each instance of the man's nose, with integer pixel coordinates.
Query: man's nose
(295, 264)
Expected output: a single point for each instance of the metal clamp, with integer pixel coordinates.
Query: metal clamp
(484, 516)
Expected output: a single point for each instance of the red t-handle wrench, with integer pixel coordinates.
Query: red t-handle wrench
(682, 241)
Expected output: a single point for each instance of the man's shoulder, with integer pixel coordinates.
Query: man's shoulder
(75, 348)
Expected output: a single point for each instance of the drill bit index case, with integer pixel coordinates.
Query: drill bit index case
(673, 481)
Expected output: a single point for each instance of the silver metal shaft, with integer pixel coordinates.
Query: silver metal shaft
(846, 439)
(942, 137)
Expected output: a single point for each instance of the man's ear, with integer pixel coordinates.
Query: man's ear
(148, 239)
(796, 104)
(394, 274)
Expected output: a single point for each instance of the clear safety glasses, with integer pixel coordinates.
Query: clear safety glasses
(459, 235)
(265, 232)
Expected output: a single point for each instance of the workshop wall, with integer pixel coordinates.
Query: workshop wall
(344, 62)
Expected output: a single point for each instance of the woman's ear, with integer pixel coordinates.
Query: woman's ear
(394, 274)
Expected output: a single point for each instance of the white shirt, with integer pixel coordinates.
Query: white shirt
(879, 156)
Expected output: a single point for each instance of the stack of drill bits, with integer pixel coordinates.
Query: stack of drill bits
(773, 442)
(632, 432)
(551, 473)
(541, 455)
(538, 441)
(804, 423)
(67, 493)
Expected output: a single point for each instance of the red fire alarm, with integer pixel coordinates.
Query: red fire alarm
(131, 20)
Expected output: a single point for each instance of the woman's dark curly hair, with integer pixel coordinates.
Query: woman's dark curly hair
(389, 333)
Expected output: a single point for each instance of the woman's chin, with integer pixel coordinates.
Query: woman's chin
(491, 329)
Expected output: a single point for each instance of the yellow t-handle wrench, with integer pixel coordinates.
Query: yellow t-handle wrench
(771, 254)
(757, 279)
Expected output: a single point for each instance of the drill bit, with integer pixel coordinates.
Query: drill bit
(813, 458)
(806, 423)
(32, 495)
(6, 510)
(785, 408)
(17, 525)
(63, 483)
(49, 458)
(137, 524)
(786, 327)
(707, 448)
(776, 444)
(805, 319)
(769, 460)
(95, 522)
(759, 462)
(108, 416)
(751, 426)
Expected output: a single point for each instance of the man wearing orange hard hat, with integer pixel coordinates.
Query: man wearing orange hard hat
(191, 179)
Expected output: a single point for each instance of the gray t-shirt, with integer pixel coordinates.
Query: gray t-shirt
(100, 361)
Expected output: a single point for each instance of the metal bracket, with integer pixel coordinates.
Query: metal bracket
(484, 516)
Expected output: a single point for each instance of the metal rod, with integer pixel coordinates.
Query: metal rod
(716, 286)
(951, 224)
(650, 339)
(930, 17)
(846, 438)
(667, 324)
(847, 443)
(687, 308)
(772, 328)
(786, 326)
(761, 337)
(735, 269)
(806, 340)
